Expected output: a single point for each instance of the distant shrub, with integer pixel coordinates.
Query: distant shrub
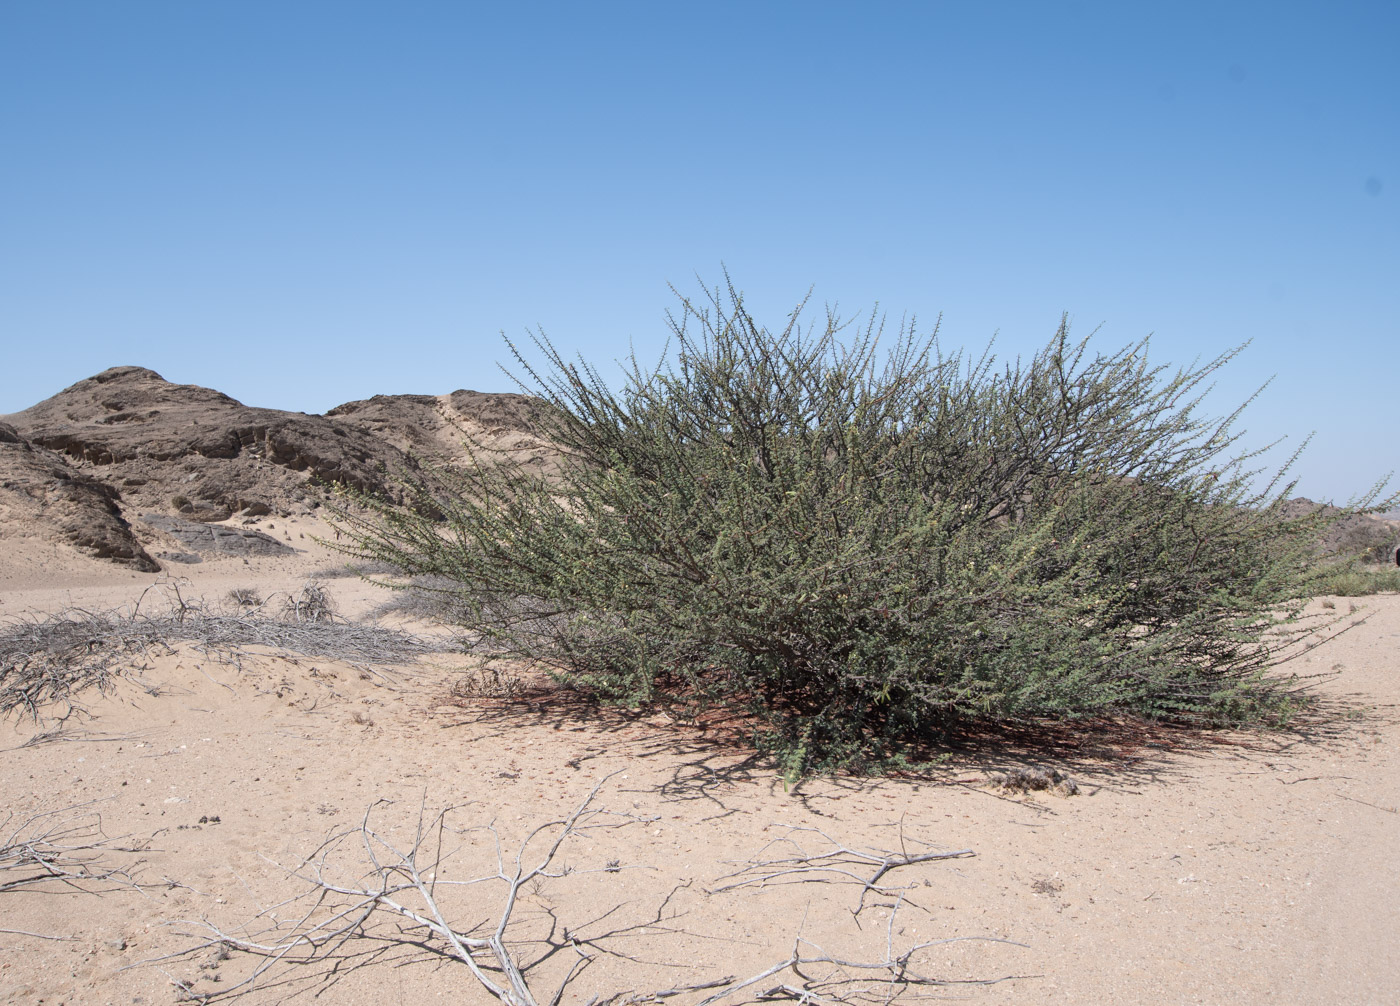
(244, 597)
(861, 550)
(1355, 579)
(1374, 546)
(313, 604)
(344, 569)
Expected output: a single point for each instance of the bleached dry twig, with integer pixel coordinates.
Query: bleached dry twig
(404, 882)
(803, 867)
(841, 983)
(66, 845)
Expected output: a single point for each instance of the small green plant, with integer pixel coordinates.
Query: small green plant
(861, 549)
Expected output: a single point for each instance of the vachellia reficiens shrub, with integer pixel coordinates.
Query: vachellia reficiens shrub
(859, 547)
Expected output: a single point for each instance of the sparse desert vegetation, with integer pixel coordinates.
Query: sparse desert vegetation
(361, 644)
(1357, 579)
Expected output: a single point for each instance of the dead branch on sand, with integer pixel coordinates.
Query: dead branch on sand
(842, 981)
(67, 846)
(840, 861)
(405, 881)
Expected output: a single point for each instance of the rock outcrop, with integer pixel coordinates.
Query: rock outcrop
(214, 539)
(1372, 537)
(40, 494)
(197, 451)
(83, 464)
(437, 426)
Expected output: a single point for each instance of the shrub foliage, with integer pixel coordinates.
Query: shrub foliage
(860, 547)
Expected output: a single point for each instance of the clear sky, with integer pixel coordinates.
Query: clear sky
(301, 203)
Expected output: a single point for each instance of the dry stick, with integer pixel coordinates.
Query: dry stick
(1368, 803)
(681, 990)
(39, 936)
(61, 845)
(388, 863)
(399, 872)
(76, 736)
(897, 967)
(834, 862)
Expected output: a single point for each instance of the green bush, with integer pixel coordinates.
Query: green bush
(1356, 579)
(860, 548)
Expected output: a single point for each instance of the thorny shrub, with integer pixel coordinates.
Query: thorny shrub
(862, 548)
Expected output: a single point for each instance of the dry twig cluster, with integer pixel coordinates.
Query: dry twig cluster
(408, 882)
(1036, 779)
(51, 659)
(839, 861)
(65, 846)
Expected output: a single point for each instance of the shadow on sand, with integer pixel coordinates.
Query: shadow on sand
(717, 754)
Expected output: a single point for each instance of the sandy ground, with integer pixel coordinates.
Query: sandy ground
(1220, 869)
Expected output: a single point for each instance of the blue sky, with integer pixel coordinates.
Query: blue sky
(304, 203)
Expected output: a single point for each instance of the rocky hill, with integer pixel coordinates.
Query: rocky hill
(1373, 537)
(88, 465)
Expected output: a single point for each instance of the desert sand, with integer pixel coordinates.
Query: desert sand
(1212, 868)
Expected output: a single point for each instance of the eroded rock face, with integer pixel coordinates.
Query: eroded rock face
(195, 450)
(41, 494)
(1372, 536)
(126, 441)
(435, 426)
